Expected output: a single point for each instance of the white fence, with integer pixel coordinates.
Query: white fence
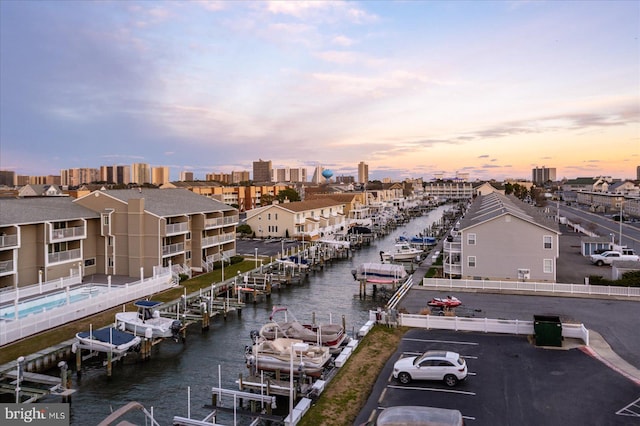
(12, 330)
(12, 294)
(483, 325)
(566, 289)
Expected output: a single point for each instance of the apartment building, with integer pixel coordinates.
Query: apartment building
(502, 238)
(262, 171)
(449, 190)
(303, 220)
(114, 232)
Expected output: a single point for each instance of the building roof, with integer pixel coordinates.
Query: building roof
(167, 202)
(21, 211)
(493, 205)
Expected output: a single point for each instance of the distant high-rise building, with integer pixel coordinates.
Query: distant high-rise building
(159, 175)
(77, 177)
(262, 171)
(299, 175)
(317, 175)
(638, 173)
(363, 172)
(290, 175)
(7, 177)
(186, 176)
(140, 173)
(542, 175)
(120, 175)
(240, 176)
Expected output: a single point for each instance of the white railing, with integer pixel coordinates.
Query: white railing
(12, 295)
(6, 266)
(172, 249)
(483, 325)
(176, 228)
(64, 256)
(529, 286)
(7, 241)
(68, 233)
(11, 331)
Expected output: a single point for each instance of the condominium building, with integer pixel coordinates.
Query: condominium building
(186, 176)
(502, 238)
(79, 176)
(363, 172)
(542, 175)
(159, 175)
(140, 173)
(288, 174)
(120, 175)
(262, 171)
(114, 232)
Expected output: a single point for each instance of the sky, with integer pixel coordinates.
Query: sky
(412, 88)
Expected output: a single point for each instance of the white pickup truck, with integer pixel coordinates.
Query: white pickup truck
(607, 257)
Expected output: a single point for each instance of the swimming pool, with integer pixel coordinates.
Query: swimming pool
(50, 301)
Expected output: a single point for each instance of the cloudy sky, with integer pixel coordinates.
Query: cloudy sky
(412, 88)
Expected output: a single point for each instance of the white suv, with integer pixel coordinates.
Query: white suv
(449, 367)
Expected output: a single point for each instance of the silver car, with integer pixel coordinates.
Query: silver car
(449, 367)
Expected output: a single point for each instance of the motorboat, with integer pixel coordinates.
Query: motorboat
(402, 252)
(380, 273)
(282, 354)
(331, 335)
(418, 241)
(146, 321)
(108, 339)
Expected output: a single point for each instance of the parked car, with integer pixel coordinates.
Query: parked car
(419, 416)
(608, 257)
(449, 367)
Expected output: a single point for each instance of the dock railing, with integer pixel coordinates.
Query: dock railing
(533, 287)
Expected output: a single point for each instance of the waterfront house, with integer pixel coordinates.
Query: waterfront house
(502, 238)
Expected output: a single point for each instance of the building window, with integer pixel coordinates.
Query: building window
(547, 241)
(110, 241)
(268, 216)
(547, 266)
(105, 220)
(471, 239)
(187, 254)
(471, 261)
(89, 262)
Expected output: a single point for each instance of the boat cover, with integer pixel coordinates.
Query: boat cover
(109, 335)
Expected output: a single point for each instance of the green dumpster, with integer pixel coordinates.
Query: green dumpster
(548, 330)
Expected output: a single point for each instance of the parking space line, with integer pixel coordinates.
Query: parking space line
(632, 410)
(433, 390)
(453, 342)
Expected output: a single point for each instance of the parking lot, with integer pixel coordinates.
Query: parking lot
(512, 382)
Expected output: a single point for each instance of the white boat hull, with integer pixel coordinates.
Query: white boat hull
(159, 327)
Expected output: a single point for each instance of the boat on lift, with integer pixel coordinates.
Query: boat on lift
(282, 354)
(380, 273)
(146, 321)
(402, 252)
(108, 339)
(331, 335)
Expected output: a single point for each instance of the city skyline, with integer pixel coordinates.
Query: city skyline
(413, 89)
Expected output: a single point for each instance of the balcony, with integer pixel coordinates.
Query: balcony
(66, 234)
(176, 228)
(453, 246)
(172, 249)
(6, 267)
(452, 269)
(64, 256)
(8, 241)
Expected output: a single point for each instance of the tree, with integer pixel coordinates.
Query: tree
(266, 199)
(288, 194)
(243, 229)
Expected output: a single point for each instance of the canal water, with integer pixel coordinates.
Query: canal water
(216, 357)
